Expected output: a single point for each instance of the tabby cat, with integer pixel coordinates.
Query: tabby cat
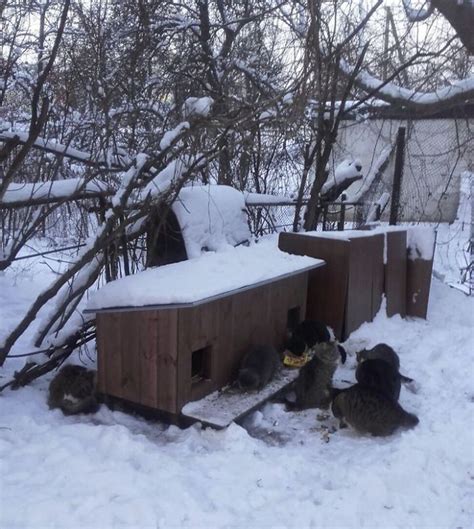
(370, 411)
(314, 382)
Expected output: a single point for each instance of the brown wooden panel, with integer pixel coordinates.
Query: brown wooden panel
(129, 353)
(396, 272)
(110, 362)
(101, 340)
(148, 326)
(327, 286)
(251, 323)
(230, 326)
(376, 254)
(206, 325)
(166, 359)
(418, 287)
(286, 295)
(137, 357)
(359, 290)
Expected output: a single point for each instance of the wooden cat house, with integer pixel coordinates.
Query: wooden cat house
(362, 267)
(176, 333)
(203, 217)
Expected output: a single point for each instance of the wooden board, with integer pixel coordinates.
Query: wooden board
(396, 273)
(138, 356)
(359, 289)
(327, 286)
(377, 258)
(418, 287)
(220, 408)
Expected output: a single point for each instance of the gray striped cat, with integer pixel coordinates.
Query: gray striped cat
(314, 382)
(370, 411)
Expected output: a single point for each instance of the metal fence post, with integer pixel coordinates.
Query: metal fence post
(342, 214)
(397, 176)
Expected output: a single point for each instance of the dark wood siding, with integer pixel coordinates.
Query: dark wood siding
(396, 273)
(418, 287)
(138, 357)
(365, 286)
(348, 290)
(327, 285)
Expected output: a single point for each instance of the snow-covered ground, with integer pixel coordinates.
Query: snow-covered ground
(114, 470)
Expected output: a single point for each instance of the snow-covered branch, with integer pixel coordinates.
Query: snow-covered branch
(38, 193)
(458, 92)
(119, 161)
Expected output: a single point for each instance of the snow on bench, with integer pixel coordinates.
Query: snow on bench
(220, 408)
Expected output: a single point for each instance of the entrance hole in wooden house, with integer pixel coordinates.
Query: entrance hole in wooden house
(201, 364)
(293, 318)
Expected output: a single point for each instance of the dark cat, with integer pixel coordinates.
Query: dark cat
(312, 332)
(369, 411)
(72, 390)
(313, 384)
(258, 367)
(306, 335)
(380, 375)
(382, 351)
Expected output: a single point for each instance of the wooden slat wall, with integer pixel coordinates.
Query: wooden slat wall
(327, 287)
(378, 269)
(137, 358)
(396, 273)
(365, 286)
(359, 290)
(418, 287)
(348, 290)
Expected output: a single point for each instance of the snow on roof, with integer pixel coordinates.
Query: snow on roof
(52, 189)
(420, 239)
(197, 280)
(347, 235)
(211, 217)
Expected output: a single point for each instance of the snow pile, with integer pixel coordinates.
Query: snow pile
(197, 106)
(420, 242)
(53, 189)
(113, 470)
(346, 170)
(211, 217)
(198, 279)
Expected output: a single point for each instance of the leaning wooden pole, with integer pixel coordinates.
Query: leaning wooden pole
(397, 176)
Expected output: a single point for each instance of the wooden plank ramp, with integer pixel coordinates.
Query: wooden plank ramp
(230, 404)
